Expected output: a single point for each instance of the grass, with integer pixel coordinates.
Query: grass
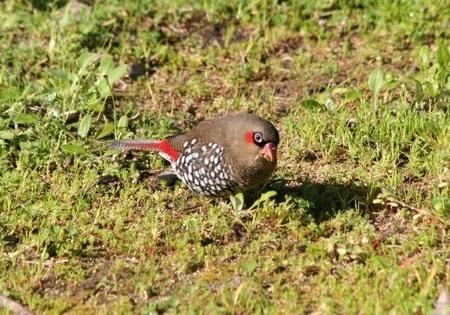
(359, 90)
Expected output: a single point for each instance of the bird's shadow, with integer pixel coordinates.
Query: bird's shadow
(323, 200)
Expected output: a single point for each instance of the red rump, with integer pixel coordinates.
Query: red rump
(165, 147)
(162, 146)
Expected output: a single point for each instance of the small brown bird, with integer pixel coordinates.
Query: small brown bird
(229, 153)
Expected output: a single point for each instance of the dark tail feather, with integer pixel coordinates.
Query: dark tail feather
(138, 145)
(168, 175)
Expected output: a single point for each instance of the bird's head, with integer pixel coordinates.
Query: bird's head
(254, 140)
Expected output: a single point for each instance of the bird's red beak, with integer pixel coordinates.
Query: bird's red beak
(270, 151)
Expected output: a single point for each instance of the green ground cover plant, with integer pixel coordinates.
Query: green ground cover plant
(355, 220)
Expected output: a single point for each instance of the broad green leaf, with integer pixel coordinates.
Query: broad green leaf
(116, 73)
(95, 104)
(311, 105)
(442, 54)
(431, 89)
(237, 201)
(419, 89)
(106, 130)
(26, 119)
(59, 74)
(104, 87)
(85, 60)
(302, 203)
(73, 148)
(112, 76)
(376, 81)
(106, 64)
(340, 90)
(10, 93)
(330, 105)
(390, 82)
(264, 197)
(7, 134)
(123, 122)
(352, 95)
(249, 266)
(424, 55)
(442, 206)
(85, 126)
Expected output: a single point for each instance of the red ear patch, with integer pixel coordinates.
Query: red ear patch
(249, 137)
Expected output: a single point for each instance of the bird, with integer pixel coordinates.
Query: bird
(230, 153)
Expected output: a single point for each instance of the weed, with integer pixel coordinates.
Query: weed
(355, 221)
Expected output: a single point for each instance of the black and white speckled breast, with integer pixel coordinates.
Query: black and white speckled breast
(202, 167)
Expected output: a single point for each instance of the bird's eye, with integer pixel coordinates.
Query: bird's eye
(258, 138)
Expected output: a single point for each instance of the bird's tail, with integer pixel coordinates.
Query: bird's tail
(165, 149)
(138, 145)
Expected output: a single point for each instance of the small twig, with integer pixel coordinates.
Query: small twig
(442, 304)
(113, 103)
(418, 210)
(285, 180)
(13, 306)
